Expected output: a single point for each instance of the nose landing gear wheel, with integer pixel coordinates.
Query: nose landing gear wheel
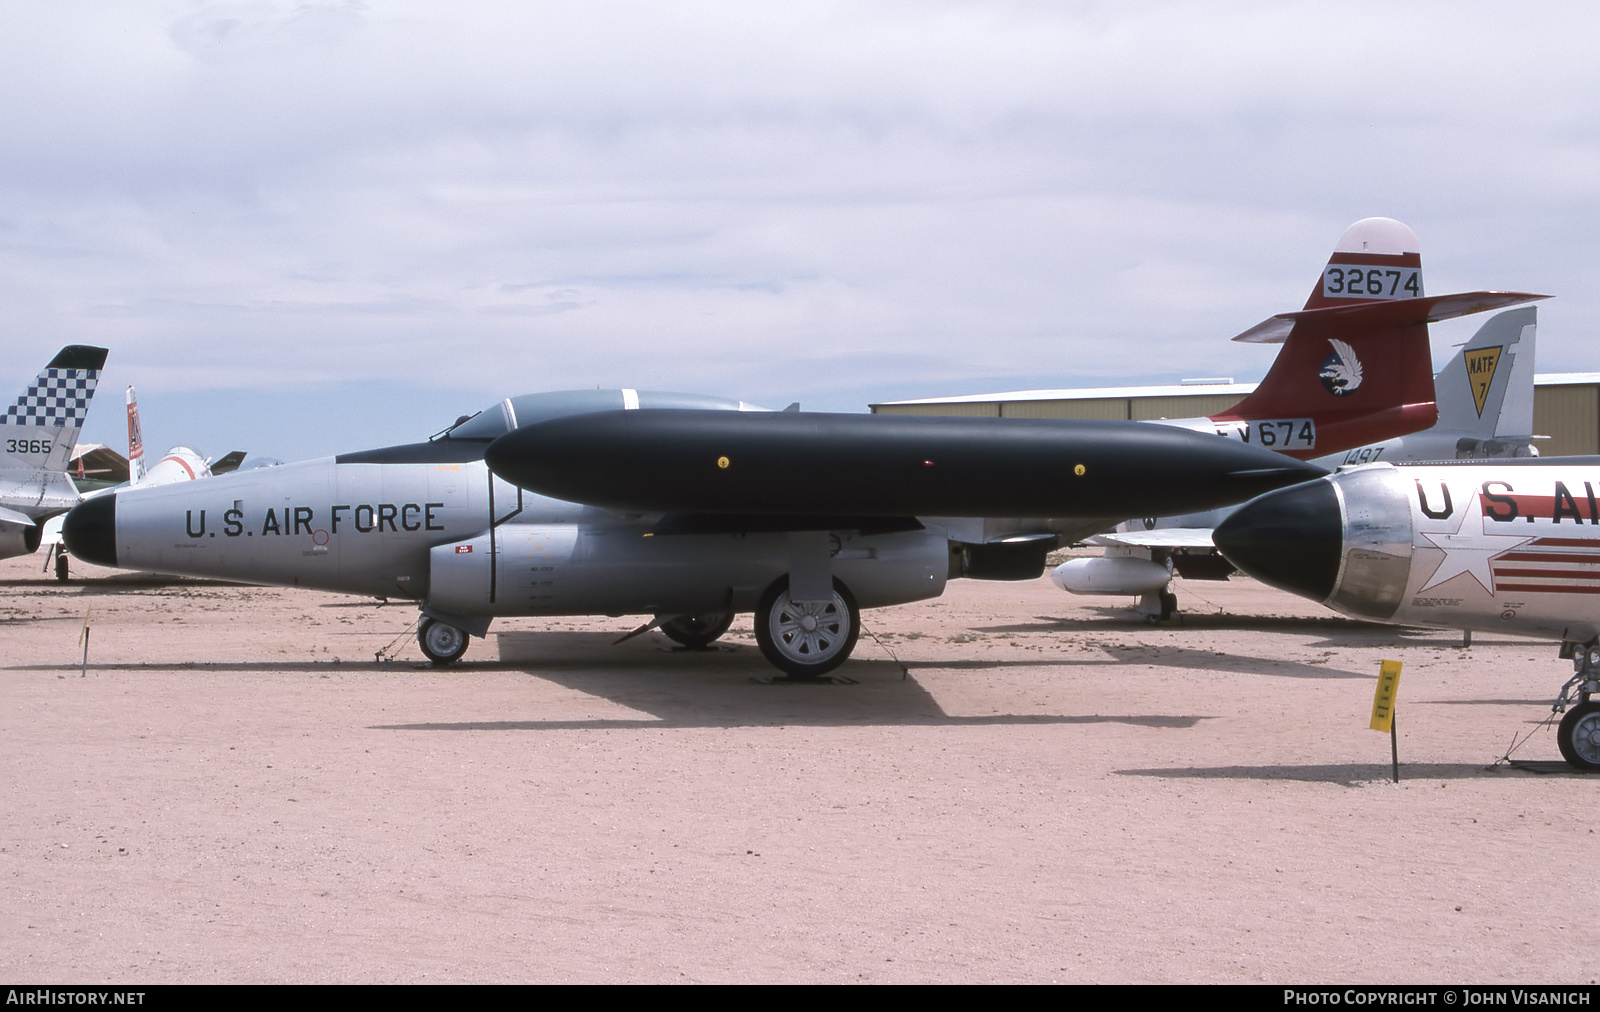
(443, 643)
(1579, 736)
(806, 639)
(697, 631)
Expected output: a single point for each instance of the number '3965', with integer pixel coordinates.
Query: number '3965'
(27, 446)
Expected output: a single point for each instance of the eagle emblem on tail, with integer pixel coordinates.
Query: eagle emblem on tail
(1341, 371)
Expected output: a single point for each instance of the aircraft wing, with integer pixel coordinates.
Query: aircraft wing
(1161, 537)
(12, 516)
(1428, 309)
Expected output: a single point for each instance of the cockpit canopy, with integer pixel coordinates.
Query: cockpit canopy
(514, 412)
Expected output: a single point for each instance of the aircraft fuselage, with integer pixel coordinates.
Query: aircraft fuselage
(446, 533)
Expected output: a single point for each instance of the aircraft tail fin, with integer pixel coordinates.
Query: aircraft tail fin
(1487, 389)
(41, 428)
(135, 442)
(1356, 365)
(228, 462)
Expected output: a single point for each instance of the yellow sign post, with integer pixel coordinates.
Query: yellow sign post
(1383, 701)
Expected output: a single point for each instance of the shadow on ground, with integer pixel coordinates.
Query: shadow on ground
(1343, 774)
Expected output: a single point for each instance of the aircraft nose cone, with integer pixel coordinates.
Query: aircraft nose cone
(90, 530)
(1291, 539)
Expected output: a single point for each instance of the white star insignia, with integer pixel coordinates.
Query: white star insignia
(1470, 553)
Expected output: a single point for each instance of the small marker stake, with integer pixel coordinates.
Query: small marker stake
(83, 638)
(1383, 703)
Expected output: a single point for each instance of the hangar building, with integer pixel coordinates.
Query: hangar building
(1566, 406)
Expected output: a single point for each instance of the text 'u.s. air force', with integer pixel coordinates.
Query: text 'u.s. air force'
(360, 518)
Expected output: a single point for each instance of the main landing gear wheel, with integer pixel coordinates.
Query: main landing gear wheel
(806, 639)
(61, 566)
(697, 631)
(442, 642)
(1579, 736)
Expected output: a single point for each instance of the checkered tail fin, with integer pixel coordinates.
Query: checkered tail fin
(41, 427)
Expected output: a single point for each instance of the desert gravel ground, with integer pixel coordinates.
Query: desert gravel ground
(1050, 791)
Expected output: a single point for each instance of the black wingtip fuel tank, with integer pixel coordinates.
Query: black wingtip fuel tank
(884, 465)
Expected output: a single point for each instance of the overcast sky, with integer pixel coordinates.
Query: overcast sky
(310, 227)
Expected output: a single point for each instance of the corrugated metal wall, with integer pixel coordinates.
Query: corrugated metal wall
(988, 409)
(1114, 409)
(1182, 406)
(1570, 416)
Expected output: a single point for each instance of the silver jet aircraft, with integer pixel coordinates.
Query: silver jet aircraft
(37, 434)
(1507, 546)
(429, 522)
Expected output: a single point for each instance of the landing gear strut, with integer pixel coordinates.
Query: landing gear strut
(1579, 734)
(1159, 606)
(443, 643)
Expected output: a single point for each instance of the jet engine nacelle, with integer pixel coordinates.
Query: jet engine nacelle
(19, 539)
(511, 569)
(577, 569)
(1111, 574)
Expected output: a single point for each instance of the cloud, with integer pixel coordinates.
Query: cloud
(768, 201)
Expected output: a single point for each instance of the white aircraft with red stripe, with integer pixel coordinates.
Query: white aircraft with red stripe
(180, 463)
(1508, 546)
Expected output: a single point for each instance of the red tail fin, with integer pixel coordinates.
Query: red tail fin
(135, 442)
(1356, 366)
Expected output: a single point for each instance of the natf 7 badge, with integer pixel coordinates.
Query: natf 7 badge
(1383, 701)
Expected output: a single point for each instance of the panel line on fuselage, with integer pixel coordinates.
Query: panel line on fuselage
(494, 546)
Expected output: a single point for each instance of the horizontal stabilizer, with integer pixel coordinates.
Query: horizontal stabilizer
(1428, 309)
